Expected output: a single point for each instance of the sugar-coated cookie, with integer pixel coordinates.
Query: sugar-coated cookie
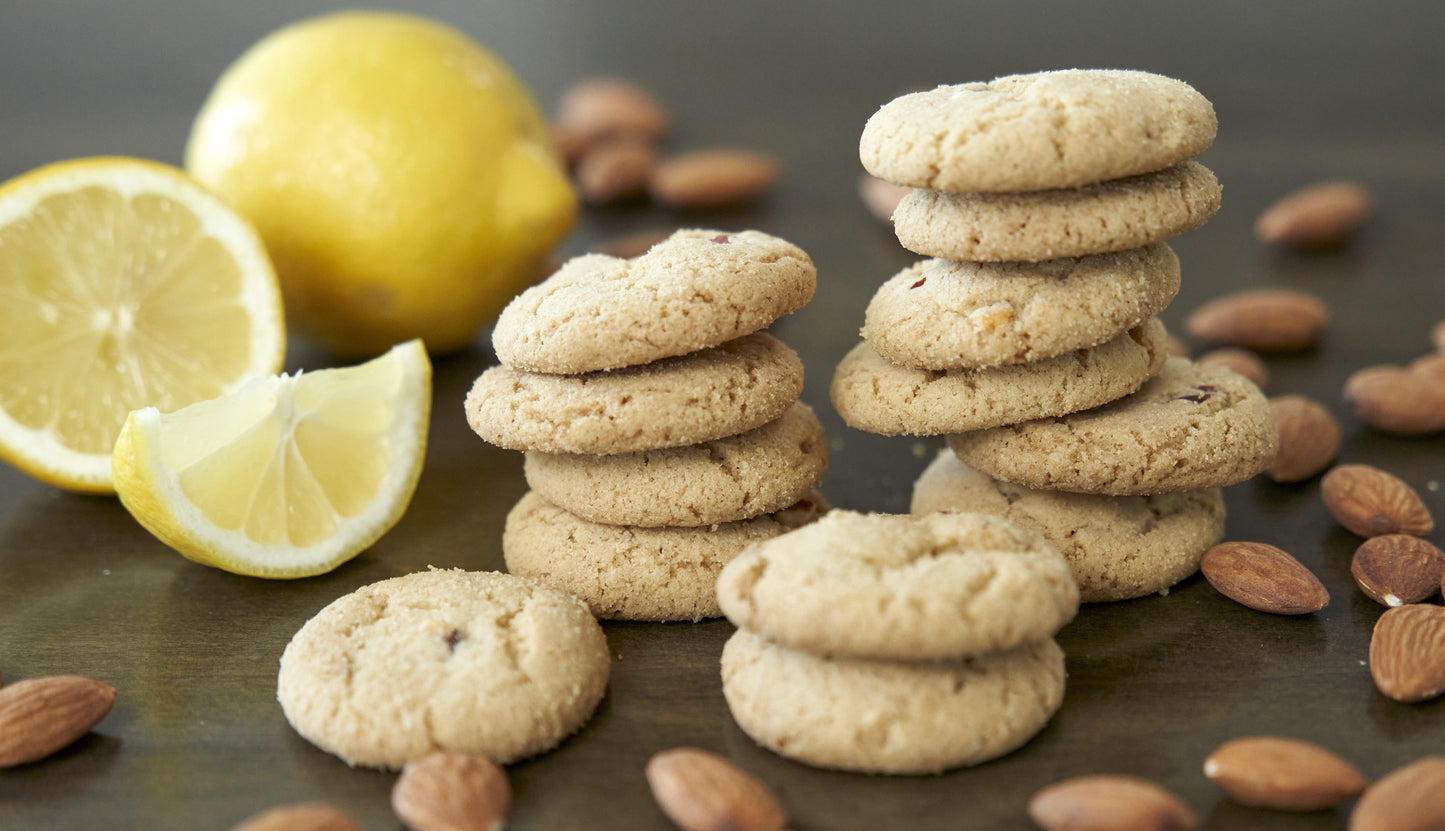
(763, 470)
(877, 396)
(1187, 428)
(693, 290)
(1037, 131)
(631, 573)
(476, 662)
(705, 395)
(1064, 222)
(945, 314)
(894, 586)
(890, 717)
(1119, 547)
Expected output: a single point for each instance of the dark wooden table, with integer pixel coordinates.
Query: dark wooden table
(197, 740)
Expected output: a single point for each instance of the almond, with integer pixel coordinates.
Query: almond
(1309, 438)
(615, 169)
(1320, 215)
(1409, 798)
(600, 106)
(1395, 569)
(1281, 773)
(1264, 320)
(1398, 400)
(1240, 361)
(1177, 348)
(39, 716)
(1264, 578)
(701, 791)
(1407, 652)
(306, 816)
(1370, 502)
(1104, 801)
(1430, 366)
(712, 178)
(1437, 336)
(880, 196)
(447, 791)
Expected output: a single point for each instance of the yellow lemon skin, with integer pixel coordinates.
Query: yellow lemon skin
(401, 176)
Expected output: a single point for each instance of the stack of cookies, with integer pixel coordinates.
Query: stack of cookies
(662, 427)
(1030, 337)
(896, 644)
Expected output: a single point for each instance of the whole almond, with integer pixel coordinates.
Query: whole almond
(615, 168)
(1430, 366)
(39, 716)
(1264, 320)
(1395, 569)
(447, 791)
(1241, 361)
(602, 106)
(1264, 578)
(1398, 400)
(1109, 801)
(712, 178)
(1320, 215)
(306, 816)
(1309, 438)
(1285, 774)
(880, 196)
(1409, 798)
(701, 791)
(1370, 502)
(1407, 652)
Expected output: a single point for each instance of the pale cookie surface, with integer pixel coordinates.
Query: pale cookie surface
(693, 290)
(876, 396)
(1119, 547)
(757, 472)
(693, 398)
(1064, 222)
(632, 573)
(942, 314)
(478, 662)
(1037, 131)
(1187, 428)
(885, 716)
(894, 586)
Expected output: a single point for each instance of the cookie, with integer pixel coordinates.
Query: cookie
(693, 290)
(1119, 547)
(475, 662)
(890, 717)
(945, 314)
(1187, 428)
(876, 396)
(705, 395)
(1037, 131)
(757, 472)
(630, 573)
(899, 587)
(1064, 222)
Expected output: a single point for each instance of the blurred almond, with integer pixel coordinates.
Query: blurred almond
(306, 816)
(701, 791)
(1371, 502)
(1309, 438)
(1178, 348)
(1429, 366)
(880, 196)
(1101, 802)
(1395, 569)
(1407, 652)
(1398, 400)
(448, 791)
(1264, 578)
(1437, 336)
(1409, 798)
(1321, 215)
(1263, 320)
(39, 716)
(1242, 361)
(712, 178)
(1285, 774)
(601, 106)
(615, 168)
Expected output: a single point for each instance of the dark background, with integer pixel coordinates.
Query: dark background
(1303, 92)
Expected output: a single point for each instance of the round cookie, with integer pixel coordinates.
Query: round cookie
(757, 472)
(476, 662)
(693, 290)
(630, 573)
(876, 396)
(1187, 428)
(886, 716)
(946, 314)
(900, 587)
(1119, 547)
(1037, 131)
(705, 395)
(1064, 222)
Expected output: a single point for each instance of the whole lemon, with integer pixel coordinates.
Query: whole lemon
(401, 176)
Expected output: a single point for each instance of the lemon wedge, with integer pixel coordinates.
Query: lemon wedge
(123, 284)
(289, 476)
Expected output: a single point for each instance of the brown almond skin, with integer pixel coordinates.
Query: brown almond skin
(1109, 801)
(712, 178)
(1282, 773)
(1371, 502)
(1407, 652)
(1317, 216)
(306, 816)
(1430, 366)
(615, 169)
(447, 791)
(602, 106)
(1241, 361)
(1405, 402)
(1263, 320)
(1309, 438)
(39, 716)
(1263, 578)
(701, 791)
(1409, 798)
(1178, 348)
(1396, 569)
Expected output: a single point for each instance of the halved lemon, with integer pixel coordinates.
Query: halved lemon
(123, 284)
(288, 476)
